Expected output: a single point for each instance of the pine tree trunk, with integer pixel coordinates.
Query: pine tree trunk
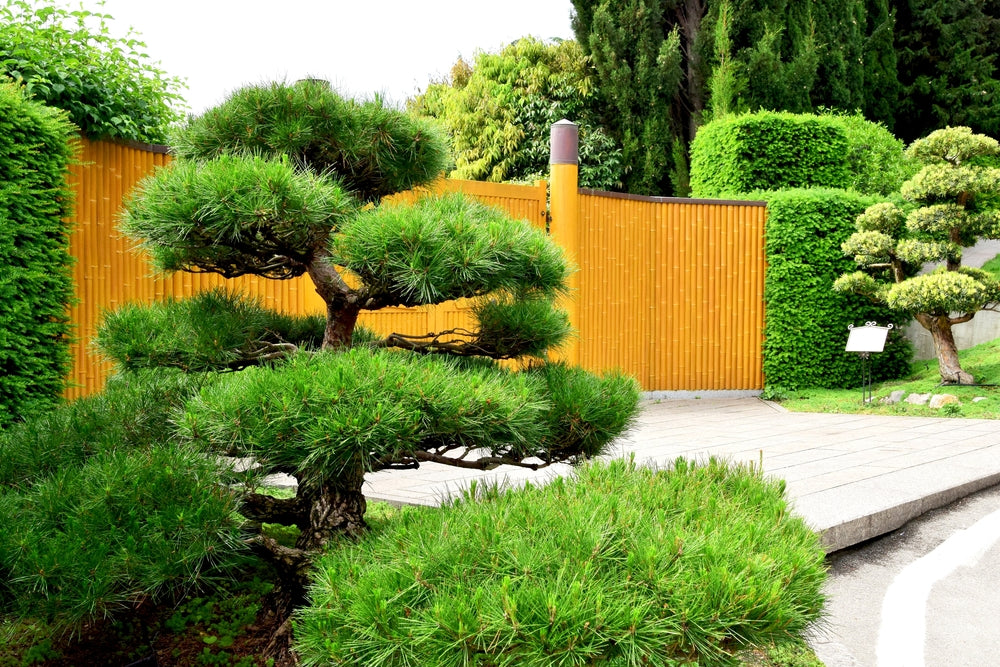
(947, 352)
(341, 318)
(337, 507)
(342, 303)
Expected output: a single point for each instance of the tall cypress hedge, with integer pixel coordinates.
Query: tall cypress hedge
(805, 322)
(35, 282)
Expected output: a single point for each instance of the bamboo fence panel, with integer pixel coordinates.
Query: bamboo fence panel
(671, 290)
(109, 272)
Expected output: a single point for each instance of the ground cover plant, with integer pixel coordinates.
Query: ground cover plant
(992, 267)
(982, 361)
(279, 181)
(619, 565)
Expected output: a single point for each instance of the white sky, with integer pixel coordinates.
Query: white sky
(393, 47)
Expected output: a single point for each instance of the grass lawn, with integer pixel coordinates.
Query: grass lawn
(983, 361)
(993, 266)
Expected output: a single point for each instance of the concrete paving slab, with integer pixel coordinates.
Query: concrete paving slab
(851, 477)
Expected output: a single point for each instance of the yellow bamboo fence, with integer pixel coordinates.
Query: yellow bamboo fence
(109, 272)
(671, 290)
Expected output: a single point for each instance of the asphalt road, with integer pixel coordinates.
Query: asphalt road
(926, 594)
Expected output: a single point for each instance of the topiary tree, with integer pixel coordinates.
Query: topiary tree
(69, 59)
(282, 180)
(951, 212)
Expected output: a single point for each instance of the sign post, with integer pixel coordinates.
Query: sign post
(865, 340)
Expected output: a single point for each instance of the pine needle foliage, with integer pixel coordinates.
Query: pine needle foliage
(216, 330)
(320, 414)
(621, 565)
(102, 511)
(445, 248)
(132, 412)
(510, 327)
(371, 148)
(235, 215)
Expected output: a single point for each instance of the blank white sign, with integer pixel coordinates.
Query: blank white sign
(867, 339)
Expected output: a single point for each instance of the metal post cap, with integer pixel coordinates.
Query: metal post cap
(565, 142)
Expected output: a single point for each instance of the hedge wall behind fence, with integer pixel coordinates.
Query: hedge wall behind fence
(805, 321)
(35, 282)
(768, 151)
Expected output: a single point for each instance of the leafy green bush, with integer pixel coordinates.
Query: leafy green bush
(35, 281)
(69, 60)
(805, 321)
(768, 151)
(621, 565)
(499, 113)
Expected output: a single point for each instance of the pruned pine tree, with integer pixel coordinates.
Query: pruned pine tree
(951, 210)
(284, 180)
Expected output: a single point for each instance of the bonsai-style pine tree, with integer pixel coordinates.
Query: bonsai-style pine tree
(952, 210)
(282, 180)
(129, 497)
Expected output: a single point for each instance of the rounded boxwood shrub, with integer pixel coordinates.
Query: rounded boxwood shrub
(620, 565)
(875, 157)
(771, 151)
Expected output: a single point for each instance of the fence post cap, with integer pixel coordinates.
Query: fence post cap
(564, 143)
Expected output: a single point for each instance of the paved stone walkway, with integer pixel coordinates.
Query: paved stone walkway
(852, 477)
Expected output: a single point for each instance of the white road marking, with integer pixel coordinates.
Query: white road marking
(902, 634)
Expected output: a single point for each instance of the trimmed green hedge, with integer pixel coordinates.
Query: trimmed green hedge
(805, 321)
(35, 282)
(768, 151)
(875, 157)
